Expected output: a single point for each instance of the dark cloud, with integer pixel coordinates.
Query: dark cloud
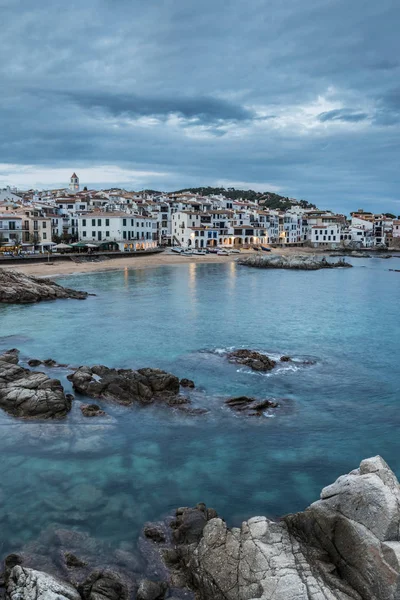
(342, 114)
(210, 91)
(201, 108)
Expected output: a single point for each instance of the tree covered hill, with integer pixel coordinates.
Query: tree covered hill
(265, 199)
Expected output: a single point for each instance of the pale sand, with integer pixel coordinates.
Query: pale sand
(69, 267)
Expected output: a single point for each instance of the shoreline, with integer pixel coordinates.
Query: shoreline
(68, 267)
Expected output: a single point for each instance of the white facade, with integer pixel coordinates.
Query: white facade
(10, 229)
(130, 232)
(326, 235)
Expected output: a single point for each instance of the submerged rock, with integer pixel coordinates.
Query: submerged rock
(188, 383)
(303, 262)
(250, 406)
(346, 546)
(29, 394)
(126, 386)
(92, 410)
(255, 360)
(28, 584)
(17, 288)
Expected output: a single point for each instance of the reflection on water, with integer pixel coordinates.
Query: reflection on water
(109, 476)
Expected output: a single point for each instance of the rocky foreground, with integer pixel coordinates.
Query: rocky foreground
(17, 288)
(345, 546)
(296, 262)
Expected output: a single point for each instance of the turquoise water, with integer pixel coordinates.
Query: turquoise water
(109, 476)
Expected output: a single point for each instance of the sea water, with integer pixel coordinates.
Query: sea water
(109, 476)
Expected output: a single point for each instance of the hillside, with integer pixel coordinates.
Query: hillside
(265, 199)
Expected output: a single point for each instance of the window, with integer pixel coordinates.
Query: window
(202, 233)
(99, 222)
(70, 206)
(93, 234)
(316, 237)
(131, 221)
(84, 222)
(107, 222)
(124, 233)
(83, 233)
(124, 222)
(93, 222)
(107, 234)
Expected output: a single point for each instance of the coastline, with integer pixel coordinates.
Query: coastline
(68, 267)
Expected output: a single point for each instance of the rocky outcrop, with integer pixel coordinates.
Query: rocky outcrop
(28, 584)
(343, 547)
(252, 359)
(17, 288)
(126, 386)
(250, 407)
(303, 262)
(187, 383)
(92, 410)
(30, 394)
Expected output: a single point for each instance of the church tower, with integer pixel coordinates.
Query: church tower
(74, 183)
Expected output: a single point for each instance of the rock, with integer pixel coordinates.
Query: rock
(345, 546)
(10, 356)
(250, 406)
(34, 362)
(92, 410)
(285, 359)
(151, 590)
(18, 288)
(49, 362)
(303, 262)
(126, 386)
(103, 585)
(187, 383)
(73, 561)
(255, 360)
(27, 584)
(28, 394)
(154, 533)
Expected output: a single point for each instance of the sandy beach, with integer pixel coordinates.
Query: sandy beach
(69, 267)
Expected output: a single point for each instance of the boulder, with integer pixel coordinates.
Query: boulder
(304, 262)
(104, 585)
(346, 546)
(29, 394)
(151, 590)
(27, 584)
(92, 410)
(187, 383)
(252, 359)
(34, 362)
(154, 533)
(17, 288)
(250, 406)
(126, 386)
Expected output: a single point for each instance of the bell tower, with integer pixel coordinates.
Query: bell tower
(74, 183)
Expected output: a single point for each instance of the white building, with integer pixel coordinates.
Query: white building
(74, 183)
(131, 232)
(326, 235)
(10, 229)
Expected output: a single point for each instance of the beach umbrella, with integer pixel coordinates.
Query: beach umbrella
(91, 246)
(62, 247)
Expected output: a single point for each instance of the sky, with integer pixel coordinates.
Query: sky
(300, 97)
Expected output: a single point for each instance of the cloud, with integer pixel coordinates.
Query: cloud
(346, 115)
(168, 95)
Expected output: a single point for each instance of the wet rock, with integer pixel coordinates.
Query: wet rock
(49, 362)
(73, 561)
(250, 406)
(126, 386)
(103, 585)
(252, 359)
(10, 356)
(27, 584)
(154, 533)
(345, 546)
(34, 362)
(151, 590)
(18, 288)
(28, 394)
(304, 262)
(285, 359)
(187, 383)
(92, 410)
